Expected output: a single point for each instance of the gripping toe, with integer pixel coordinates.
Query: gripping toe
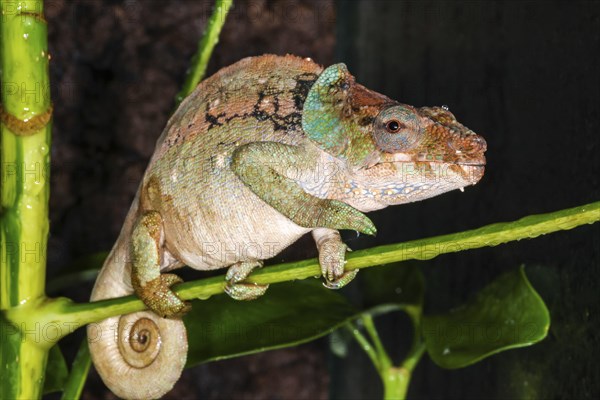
(341, 281)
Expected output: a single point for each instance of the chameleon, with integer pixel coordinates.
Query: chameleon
(261, 153)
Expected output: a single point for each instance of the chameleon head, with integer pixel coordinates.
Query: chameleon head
(393, 153)
(422, 153)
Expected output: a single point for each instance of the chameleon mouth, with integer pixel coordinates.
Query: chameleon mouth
(474, 164)
(478, 161)
(474, 159)
(466, 172)
(472, 173)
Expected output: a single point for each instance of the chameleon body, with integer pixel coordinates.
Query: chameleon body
(261, 153)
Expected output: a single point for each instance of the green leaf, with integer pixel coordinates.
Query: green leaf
(506, 314)
(288, 314)
(56, 371)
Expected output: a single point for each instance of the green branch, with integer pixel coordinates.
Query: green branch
(382, 355)
(210, 38)
(65, 311)
(30, 322)
(395, 380)
(79, 371)
(25, 113)
(367, 347)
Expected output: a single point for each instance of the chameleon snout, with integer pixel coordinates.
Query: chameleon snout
(468, 149)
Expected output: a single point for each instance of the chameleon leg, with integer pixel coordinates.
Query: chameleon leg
(149, 284)
(262, 165)
(332, 258)
(243, 291)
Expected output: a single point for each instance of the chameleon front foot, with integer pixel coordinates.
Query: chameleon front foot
(341, 281)
(159, 297)
(332, 258)
(243, 291)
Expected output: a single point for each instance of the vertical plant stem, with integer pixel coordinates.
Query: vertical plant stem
(24, 152)
(395, 380)
(79, 372)
(364, 344)
(205, 49)
(417, 347)
(395, 383)
(372, 331)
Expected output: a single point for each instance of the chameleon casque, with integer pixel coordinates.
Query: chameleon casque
(261, 153)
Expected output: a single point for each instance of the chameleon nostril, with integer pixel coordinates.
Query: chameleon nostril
(468, 144)
(479, 144)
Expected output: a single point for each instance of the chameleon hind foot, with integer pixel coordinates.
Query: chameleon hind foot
(159, 297)
(243, 291)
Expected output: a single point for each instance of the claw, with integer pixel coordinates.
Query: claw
(243, 291)
(347, 217)
(342, 281)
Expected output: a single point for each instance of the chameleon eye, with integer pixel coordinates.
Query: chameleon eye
(397, 128)
(394, 126)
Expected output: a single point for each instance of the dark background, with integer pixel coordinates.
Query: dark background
(525, 75)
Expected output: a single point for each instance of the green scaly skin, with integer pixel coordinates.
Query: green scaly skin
(263, 152)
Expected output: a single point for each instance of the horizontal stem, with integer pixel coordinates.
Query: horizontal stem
(63, 310)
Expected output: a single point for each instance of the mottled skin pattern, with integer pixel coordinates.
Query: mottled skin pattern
(263, 152)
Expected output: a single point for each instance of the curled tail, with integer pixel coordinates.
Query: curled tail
(138, 355)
